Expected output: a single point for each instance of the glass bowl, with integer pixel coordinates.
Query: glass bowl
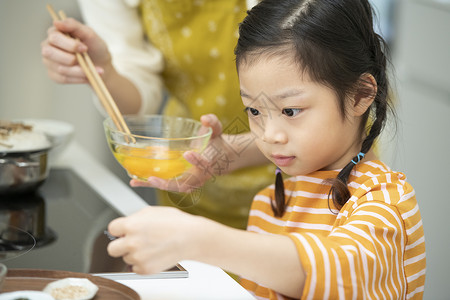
(156, 144)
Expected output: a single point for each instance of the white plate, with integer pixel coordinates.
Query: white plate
(32, 295)
(91, 289)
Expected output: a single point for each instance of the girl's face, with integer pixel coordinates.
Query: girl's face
(297, 122)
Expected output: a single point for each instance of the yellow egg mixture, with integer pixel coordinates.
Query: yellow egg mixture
(158, 161)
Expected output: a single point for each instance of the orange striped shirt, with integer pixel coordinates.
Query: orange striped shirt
(372, 248)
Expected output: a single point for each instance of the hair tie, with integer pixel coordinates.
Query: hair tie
(277, 171)
(359, 157)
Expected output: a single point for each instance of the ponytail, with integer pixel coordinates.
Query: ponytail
(339, 191)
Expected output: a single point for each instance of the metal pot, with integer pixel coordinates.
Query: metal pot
(23, 171)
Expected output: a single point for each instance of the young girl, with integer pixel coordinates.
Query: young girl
(344, 226)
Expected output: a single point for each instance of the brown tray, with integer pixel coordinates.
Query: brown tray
(36, 279)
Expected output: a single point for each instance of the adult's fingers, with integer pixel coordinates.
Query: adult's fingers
(57, 55)
(65, 74)
(75, 28)
(63, 41)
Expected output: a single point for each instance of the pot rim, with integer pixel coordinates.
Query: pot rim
(21, 152)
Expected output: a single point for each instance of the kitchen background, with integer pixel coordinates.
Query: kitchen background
(420, 41)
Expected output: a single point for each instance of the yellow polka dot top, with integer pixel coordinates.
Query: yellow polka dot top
(197, 39)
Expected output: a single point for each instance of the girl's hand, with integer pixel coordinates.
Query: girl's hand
(156, 238)
(203, 166)
(58, 51)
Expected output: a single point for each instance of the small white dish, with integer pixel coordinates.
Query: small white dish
(32, 295)
(72, 289)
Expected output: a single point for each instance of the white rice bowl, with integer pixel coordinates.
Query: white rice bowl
(25, 140)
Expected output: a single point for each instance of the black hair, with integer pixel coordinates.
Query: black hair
(335, 43)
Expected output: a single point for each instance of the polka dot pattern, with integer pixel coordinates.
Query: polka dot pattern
(197, 39)
(200, 72)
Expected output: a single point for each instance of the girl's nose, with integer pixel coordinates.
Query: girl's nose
(273, 133)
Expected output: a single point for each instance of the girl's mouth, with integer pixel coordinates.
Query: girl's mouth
(282, 161)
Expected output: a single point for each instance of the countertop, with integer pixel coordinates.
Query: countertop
(204, 281)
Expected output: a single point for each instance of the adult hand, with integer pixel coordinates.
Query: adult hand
(204, 165)
(58, 51)
(156, 238)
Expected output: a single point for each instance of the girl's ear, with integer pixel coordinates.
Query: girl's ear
(364, 95)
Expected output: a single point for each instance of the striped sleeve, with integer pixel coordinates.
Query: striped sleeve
(362, 258)
(415, 258)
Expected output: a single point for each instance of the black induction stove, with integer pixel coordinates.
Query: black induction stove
(59, 227)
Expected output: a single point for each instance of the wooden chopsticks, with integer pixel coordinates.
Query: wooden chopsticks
(97, 84)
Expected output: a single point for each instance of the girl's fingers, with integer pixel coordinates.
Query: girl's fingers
(193, 178)
(118, 248)
(154, 182)
(117, 227)
(129, 260)
(136, 269)
(184, 184)
(196, 159)
(211, 120)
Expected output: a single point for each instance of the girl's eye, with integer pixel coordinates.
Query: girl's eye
(291, 112)
(252, 111)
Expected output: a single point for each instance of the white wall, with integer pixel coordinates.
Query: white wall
(422, 58)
